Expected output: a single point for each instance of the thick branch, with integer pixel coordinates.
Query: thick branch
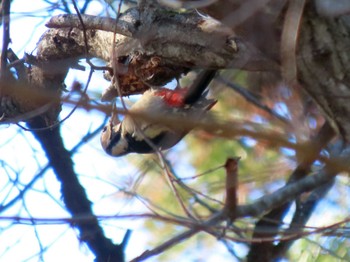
(39, 93)
(126, 25)
(284, 194)
(194, 41)
(304, 210)
(272, 221)
(323, 65)
(73, 193)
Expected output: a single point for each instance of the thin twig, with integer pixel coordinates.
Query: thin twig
(285, 194)
(29, 185)
(169, 176)
(304, 210)
(179, 238)
(45, 107)
(201, 174)
(306, 158)
(83, 28)
(250, 97)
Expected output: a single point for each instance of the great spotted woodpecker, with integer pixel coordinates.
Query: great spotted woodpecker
(141, 136)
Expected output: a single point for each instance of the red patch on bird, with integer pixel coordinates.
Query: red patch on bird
(174, 98)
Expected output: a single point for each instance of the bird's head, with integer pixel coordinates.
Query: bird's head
(112, 140)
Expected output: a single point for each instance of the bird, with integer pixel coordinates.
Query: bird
(144, 137)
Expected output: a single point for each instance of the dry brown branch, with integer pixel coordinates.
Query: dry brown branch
(231, 167)
(289, 41)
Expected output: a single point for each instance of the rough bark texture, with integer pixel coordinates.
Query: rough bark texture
(324, 65)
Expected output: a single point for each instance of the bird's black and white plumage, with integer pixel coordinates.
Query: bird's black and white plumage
(131, 136)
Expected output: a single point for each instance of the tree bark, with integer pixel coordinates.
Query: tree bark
(324, 65)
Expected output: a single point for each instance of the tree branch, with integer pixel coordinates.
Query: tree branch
(285, 194)
(126, 25)
(271, 221)
(179, 238)
(5, 8)
(231, 167)
(195, 40)
(73, 194)
(304, 210)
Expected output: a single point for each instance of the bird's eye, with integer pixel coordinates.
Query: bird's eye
(104, 129)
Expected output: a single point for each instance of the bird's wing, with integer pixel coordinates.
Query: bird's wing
(141, 129)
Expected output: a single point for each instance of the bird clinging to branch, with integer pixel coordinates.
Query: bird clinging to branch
(142, 136)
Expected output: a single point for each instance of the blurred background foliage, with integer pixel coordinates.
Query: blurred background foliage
(140, 183)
